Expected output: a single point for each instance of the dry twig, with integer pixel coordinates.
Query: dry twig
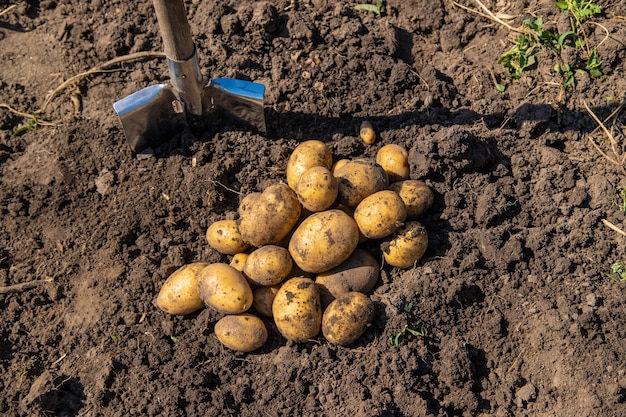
(23, 286)
(619, 157)
(8, 9)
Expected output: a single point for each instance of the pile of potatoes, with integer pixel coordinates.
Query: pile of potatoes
(297, 249)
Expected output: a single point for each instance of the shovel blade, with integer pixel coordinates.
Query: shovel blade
(149, 117)
(239, 100)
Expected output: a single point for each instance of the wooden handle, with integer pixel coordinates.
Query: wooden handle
(175, 29)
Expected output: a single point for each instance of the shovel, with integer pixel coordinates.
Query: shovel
(153, 115)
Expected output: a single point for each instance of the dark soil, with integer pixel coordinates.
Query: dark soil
(520, 316)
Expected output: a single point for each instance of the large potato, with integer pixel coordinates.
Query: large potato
(347, 318)
(179, 293)
(297, 310)
(417, 196)
(358, 179)
(242, 332)
(268, 265)
(407, 246)
(317, 189)
(224, 289)
(224, 236)
(311, 153)
(268, 218)
(323, 241)
(263, 300)
(380, 214)
(395, 161)
(360, 272)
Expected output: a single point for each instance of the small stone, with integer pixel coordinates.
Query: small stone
(592, 300)
(526, 394)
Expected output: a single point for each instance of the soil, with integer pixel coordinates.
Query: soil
(513, 295)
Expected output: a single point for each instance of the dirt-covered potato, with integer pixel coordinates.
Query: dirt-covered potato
(406, 246)
(268, 265)
(367, 133)
(358, 179)
(380, 214)
(311, 153)
(179, 293)
(417, 196)
(238, 261)
(263, 300)
(338, 165)
(317, 189)
(360, 272)
(297, 309)
(323, 241)
(242, 332)
(224, 236)
(347, 318)
(395, 161)
(268, 218)
(224, 289)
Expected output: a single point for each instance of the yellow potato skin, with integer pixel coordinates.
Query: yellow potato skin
(263, 300)
(380, 214)
(323, 241)
(297, 310)
(317, 189)
(224, 236)
(347, 318)
(224, 289)
(395, 161)
(367, 133)
(417, 196)
(268, 265)
(360, 272)
(179, 293)
(238, 261)
(407, 246)
(268, 218)
(307, 155)
(358, 179)
(242, 332)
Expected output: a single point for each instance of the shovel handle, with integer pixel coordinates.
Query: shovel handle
(175, 29)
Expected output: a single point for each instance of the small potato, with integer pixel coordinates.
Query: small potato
(358, 179)
(238, 261)
(242, 332)
(417, 197)
(395, 161)
(407, 246)
(179, 293)
(380, 214)
(317, 189)
(224, 236)
(311, 153)
(268, 218)
(263, 300)
(224, 289)
(297, 310)
(360, 272)
(347, 318)
(367, 133)
(338, 165)
(323, 241)
(268, 265)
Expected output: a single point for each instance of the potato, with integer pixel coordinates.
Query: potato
(317, 189)
(347, 318)
(238, 261)
(242, 332)
(263, 300)
(395, 161)
(323, 241)
(380, 214)
(358, 179)
(407, 246)
(269, 218)
(311, 153)
(417, 196)
(268, 265)
(297, 310)
(338, 165)
(367, 133)
(224, 289)
(179, 293)
(248, 203)
(360, 272)
(224, 236)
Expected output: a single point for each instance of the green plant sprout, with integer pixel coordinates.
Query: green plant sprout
(618, 273)
(420, 331)
(622, 193)
(378, 8)
(31, 124)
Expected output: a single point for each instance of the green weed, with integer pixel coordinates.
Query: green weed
(420, 331)
(31, 124)
(622, 193)
(618, 272)
(378, 8)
